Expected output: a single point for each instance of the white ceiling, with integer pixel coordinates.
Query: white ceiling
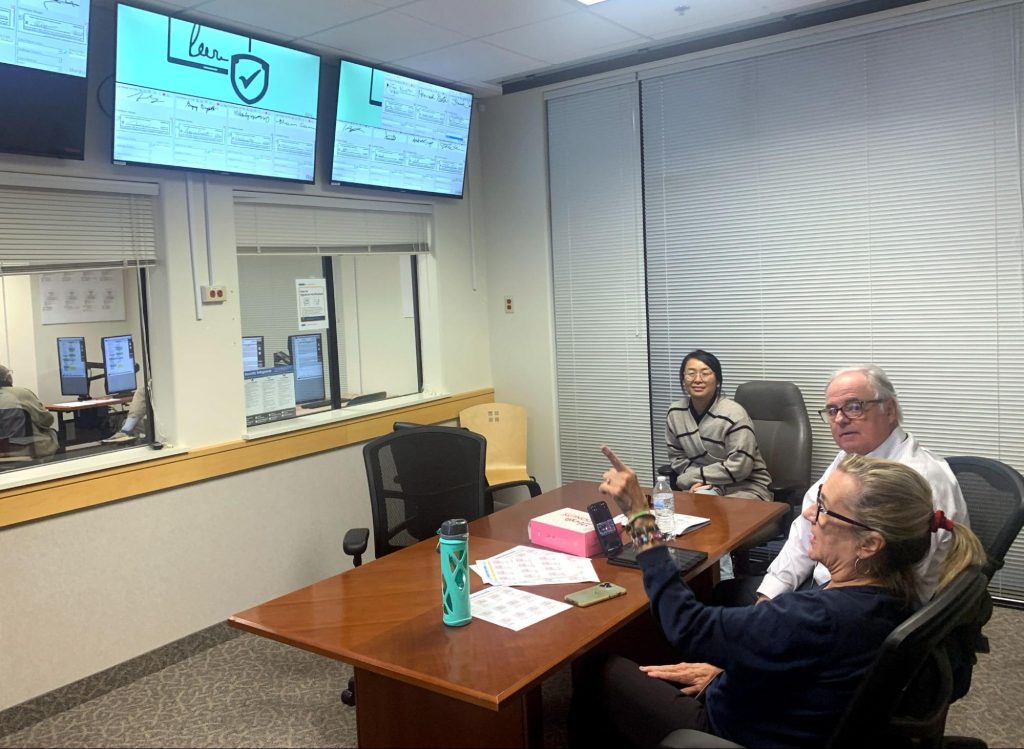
(479, 44)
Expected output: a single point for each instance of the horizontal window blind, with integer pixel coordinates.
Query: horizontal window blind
(45, 230)
(849, 202)
(276, 228)
(597, 248)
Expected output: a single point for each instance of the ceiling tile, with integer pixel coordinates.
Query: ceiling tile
(282, 18)
(387, 36)
(472, 59)
(802, 6)
(566, 38)
(481, 17)
(660, 19)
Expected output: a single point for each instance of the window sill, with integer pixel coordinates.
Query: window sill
(75, 466)
(341, 414)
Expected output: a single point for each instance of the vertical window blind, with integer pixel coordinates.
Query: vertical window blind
(598, 268)
(850, 201)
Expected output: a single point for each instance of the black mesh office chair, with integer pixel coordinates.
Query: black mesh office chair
(418, 477)
(994, 493)
(905, 695)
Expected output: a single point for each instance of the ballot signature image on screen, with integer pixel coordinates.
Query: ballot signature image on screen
(199, 97)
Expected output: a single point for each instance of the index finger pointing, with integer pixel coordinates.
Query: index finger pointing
(617, 464)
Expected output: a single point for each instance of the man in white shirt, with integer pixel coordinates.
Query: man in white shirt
(863, 412)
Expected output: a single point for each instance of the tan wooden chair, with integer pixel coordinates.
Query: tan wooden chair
(503, 425)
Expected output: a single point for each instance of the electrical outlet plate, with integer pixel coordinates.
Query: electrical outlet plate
(213, 294)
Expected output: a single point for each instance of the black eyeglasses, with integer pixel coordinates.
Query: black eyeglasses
(822, 510)
(852, 410)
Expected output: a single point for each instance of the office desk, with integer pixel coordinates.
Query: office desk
(420, 683)
(76, 407)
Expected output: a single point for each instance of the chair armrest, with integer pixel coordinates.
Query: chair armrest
(666, 470)
(354, 544)
(530, 483)
(789, 492)
(688, 738)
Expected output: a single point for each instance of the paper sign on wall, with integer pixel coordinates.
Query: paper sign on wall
(311, 294)
(81, 296)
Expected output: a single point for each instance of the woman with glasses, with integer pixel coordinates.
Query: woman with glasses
(791, 664)
(711, 442)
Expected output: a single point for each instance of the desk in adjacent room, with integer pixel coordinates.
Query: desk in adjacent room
(74, 408)
(420, 683)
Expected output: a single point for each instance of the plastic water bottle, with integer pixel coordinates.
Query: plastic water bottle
(664, 503)
(455, 572)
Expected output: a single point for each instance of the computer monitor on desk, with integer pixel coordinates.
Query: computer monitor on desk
(73, 367)
(307, 359)
(119, 365)
(252, 353)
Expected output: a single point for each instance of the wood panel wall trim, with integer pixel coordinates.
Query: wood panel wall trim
(47, 498)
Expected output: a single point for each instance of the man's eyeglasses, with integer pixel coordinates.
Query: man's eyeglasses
(822, 510)
(690, 375)
(851, 409)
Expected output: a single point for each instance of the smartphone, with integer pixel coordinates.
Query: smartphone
(607, 532)
(595, 594)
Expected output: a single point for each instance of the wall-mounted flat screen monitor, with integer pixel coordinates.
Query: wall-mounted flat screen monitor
(252, 352)
(197, 97)
(308, 365)
(399, 133)
(43, 54)
(119, 364)
(71, 361)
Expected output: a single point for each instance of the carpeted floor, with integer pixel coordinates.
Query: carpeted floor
(247, 691)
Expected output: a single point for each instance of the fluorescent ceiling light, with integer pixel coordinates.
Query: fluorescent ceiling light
(590, 2)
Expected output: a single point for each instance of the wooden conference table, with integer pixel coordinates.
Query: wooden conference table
(421, 683)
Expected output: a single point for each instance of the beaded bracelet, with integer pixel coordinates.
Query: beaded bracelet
(645, 535)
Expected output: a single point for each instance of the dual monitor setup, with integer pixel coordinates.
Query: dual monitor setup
(118, 366)
(194, 96)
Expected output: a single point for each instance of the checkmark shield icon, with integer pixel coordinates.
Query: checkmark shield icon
(250, 77)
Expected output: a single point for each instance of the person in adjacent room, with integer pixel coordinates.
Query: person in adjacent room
(864, 415)
(41, 439)
(870, 523)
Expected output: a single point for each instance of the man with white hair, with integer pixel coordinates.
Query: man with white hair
(16, 405)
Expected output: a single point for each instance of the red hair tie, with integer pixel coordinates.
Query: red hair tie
(939, 520)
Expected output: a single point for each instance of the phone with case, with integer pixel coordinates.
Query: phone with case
(595, 594)
(607, 531)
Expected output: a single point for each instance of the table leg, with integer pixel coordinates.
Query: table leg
(391, 713)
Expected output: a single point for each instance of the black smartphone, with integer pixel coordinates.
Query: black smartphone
(607, 532)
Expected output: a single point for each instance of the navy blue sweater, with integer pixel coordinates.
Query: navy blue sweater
(791, 664)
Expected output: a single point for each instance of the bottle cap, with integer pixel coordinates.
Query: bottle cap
(662, 478)
(455, 528)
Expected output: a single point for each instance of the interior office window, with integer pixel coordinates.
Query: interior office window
(329, 305)
(845, 202)
(74, 336)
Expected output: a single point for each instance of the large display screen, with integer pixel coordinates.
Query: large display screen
(399, 133)
(43, 56)
(308, 364)
(194, 96)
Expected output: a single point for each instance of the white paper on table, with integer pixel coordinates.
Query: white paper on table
(683, 523)
(525, 565)
(512, 608)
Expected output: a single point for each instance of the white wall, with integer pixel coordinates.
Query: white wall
(518, 243)
(90, 589)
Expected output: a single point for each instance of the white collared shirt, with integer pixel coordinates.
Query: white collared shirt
(792, 566)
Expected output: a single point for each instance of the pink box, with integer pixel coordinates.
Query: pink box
(571, 531)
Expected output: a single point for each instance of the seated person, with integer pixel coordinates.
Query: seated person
(132, 428)
(871, 522)
(42, 440)
(711, 442)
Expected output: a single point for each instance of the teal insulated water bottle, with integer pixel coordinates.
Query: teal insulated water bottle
(455, 572)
